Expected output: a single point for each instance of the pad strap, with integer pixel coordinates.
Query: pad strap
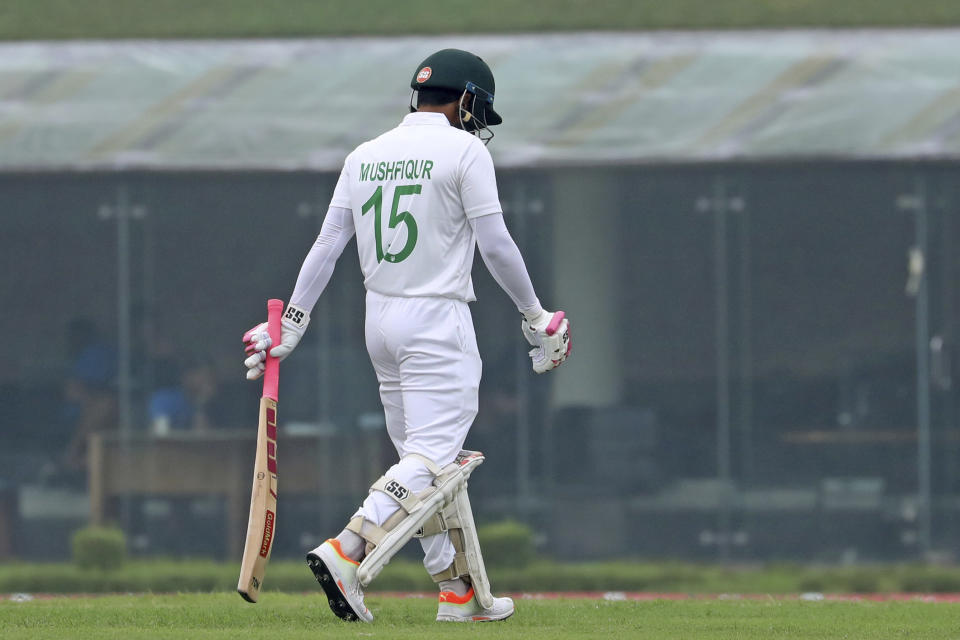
(432, 527)
(366, 529)
(406, 498)
(456, 569)
(445, 520)
(427, 462)
(459, 567)
(374, 534)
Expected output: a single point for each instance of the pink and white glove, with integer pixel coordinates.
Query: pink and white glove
(549, 335)
(257, 340)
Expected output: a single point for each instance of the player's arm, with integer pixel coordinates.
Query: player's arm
(505, 263)
(318, 266)
(314, 275)
(547, 332)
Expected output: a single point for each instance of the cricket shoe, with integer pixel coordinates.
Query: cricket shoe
(465, 608)
(337, 574)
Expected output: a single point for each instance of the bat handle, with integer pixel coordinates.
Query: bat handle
(271, 377)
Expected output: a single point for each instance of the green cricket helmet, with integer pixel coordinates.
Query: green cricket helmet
(458, 70)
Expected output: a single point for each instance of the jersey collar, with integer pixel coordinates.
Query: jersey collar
(424, 117)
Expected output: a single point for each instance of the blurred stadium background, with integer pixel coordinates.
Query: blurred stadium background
(748, 209)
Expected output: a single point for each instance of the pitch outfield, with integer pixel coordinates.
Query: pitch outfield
(45, 19)
(224, 615)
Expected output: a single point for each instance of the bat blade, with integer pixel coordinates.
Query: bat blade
(261, 524)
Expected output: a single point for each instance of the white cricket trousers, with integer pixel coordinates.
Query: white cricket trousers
(424, 351)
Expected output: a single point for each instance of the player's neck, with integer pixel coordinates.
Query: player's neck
(449, 110)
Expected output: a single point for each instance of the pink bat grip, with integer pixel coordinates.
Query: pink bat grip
(555, 322)
(271, 377)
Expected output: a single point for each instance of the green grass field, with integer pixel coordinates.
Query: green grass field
(289, 617)
(169, 576)
(54, 19)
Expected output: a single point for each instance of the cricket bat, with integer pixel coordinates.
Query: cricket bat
(261, 526)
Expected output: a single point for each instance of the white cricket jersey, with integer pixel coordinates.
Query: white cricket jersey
(411, 191)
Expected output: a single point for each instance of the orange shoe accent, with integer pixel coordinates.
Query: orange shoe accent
(336, 546)
(452, 598)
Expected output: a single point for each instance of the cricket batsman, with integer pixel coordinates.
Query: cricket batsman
(419, 198)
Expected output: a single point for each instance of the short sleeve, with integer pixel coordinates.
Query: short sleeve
(478, 182)
(341, 193)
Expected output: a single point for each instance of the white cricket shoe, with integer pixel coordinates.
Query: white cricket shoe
(465, 608)
(337, 574)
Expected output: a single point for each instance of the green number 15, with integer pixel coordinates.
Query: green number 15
(404, 217)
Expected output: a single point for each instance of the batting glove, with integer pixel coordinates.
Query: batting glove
(549, 335)
(258, 340)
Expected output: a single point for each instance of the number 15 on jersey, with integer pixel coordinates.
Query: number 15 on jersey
(403, 217)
